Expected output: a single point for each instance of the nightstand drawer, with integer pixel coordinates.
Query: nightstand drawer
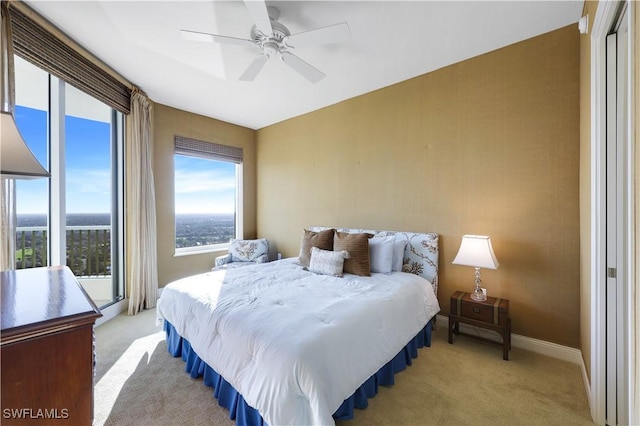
(477, 312)
(491, 311)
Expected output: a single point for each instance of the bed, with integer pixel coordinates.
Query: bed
(282, 345)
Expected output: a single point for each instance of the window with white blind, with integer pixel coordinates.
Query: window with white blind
(208, 194)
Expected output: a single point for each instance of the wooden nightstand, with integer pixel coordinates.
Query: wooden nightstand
(491, 314)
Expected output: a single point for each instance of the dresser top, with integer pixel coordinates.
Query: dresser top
(40, 297)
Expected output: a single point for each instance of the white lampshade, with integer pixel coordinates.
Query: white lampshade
(16, 159)
(476, 251)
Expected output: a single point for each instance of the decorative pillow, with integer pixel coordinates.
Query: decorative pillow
(381, 254)
(321, 239)
(327, 262)
(398, 254)
(248, 250)
(358, 247)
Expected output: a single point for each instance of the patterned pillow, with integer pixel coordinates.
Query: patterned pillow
(327, 262)
(248, 250)
(416, 253)
(321, 239)
(358, 247)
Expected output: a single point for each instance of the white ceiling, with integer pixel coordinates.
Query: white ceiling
(391, 41)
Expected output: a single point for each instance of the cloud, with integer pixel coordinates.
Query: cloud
(32, 196)
(94, 181)
(204, 182)
(87, 191)
(205, 191)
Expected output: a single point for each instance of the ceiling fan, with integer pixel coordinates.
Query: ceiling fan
(274, 39)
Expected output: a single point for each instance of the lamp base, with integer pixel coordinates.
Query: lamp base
(478, 295)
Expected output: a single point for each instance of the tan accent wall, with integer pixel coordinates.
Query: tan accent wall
(487, 146)
(168, 123)
(590, 8)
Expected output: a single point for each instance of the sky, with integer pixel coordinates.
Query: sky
(201, 186)
(87, 160)
(204, 186)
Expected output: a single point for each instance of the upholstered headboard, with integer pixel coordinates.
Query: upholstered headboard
(420, 253)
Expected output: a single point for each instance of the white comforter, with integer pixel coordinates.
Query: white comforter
(293, 343)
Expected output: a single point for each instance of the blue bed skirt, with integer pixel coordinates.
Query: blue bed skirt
(244, 415)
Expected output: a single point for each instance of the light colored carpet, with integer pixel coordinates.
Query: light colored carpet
(467, 383)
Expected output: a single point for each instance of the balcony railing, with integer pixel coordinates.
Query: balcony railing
(88, 249)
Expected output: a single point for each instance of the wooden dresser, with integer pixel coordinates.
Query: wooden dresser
(46, 348)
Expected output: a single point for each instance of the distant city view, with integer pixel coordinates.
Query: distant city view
(204, 229)
(191, 229)
(73, 219)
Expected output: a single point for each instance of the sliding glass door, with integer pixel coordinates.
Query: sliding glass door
(75, 217)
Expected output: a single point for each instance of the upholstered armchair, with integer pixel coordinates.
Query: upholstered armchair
(243, 253)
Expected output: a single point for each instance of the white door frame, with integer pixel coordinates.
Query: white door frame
(604, 20)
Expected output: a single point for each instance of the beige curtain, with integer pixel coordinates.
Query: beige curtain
(635, 283)
(8, 186)
(7, 89)
(8, 224)
(141, 206)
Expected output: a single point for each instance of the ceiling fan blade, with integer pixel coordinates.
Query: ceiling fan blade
(254, 67)
(205, 37)
(259, 15)
(332, 34)
(307, 71)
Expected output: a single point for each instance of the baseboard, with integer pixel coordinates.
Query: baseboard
(553, 350)
(585, 380)
(112, 311)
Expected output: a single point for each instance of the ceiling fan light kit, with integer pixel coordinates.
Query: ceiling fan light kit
(274, 39)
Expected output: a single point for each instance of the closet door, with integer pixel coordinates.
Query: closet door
(617, 291)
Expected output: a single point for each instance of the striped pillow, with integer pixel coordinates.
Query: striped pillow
(358, 247)
(321, 239)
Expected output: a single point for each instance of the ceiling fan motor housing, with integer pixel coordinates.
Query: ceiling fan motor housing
(278, 35)
(270, 48)
(273, 12)
(274, 43)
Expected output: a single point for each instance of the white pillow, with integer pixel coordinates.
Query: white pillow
(398, 254)
(327, 262)
(381, 254)
(248, 250)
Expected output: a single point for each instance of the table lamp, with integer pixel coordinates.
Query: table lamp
(16, 159)
(476, 251)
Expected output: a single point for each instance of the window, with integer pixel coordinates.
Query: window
(32, 196)
(207, 191)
